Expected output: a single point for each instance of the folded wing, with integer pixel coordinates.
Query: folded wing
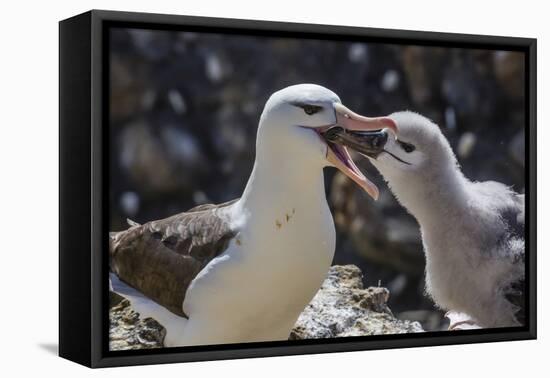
(161, 258)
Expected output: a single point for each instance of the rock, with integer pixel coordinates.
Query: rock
(516, 148)
(163, 160)
(422, 67)
(358, 52)
(114, 298)
(128, 331)
(342, 307)
(390, 81)
(466, 144)
(509, 67)
(129, 202)
(430, 320)
(125, 89)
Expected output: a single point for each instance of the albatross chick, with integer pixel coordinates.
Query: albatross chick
(473, 232)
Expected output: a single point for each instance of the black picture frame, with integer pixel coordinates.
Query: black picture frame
(83, 102)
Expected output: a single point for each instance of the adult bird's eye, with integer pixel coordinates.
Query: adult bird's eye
(311, 109)
(407, 147)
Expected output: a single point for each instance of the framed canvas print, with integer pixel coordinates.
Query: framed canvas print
(234, 188)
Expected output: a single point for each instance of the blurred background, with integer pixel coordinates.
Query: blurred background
(184, 109)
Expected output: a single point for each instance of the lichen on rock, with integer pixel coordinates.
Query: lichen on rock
(341, 308)
(128, 331)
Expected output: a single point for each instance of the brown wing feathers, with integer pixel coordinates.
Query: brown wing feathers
(161, 258)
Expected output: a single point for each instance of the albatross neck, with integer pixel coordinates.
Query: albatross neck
(440, 197)
(283, 184)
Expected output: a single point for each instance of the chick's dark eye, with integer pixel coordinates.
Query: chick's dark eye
(407, 147)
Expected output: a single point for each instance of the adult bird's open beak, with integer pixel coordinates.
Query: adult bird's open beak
(339, 156)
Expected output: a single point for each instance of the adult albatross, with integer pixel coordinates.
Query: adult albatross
(243, 271)
(473, 232)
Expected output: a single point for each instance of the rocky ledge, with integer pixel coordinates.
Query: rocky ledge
(341, 308)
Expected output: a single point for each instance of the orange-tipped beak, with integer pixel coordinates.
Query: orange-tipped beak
(339, 156)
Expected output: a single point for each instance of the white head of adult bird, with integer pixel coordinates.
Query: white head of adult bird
(244, 271)
(473, 232)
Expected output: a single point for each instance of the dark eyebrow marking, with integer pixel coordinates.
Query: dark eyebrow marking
(305, 104)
